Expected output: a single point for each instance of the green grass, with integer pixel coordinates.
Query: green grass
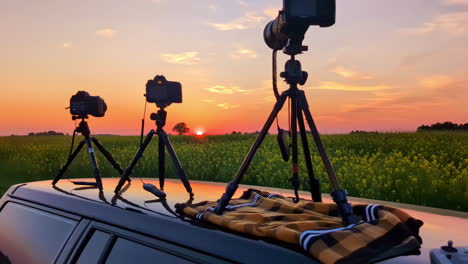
(428, 169)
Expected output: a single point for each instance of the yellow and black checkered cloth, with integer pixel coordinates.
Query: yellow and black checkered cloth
(382, 233)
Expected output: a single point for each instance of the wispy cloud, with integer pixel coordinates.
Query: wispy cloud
(107, 33)
(453, 23)
(67, 45)
(227, 106)
(243, 4)
(226, 90)
(248, 20)
(213, 8)
(436, 81)
(271, 13)
(349, 87)
(185, 58)
(347, 73)
(244, 53)
(455, 2)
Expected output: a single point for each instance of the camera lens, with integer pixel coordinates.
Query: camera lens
(272, 35)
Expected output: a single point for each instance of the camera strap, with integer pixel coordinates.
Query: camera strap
(143, 124)
(73, 142)
(274, 74)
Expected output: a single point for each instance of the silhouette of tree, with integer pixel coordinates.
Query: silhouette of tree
(181, 128)
(444, 126)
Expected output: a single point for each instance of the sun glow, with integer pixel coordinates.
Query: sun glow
(199, 133)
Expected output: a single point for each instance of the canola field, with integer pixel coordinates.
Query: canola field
(429, 169)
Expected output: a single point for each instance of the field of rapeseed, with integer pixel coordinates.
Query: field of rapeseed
(428, 169)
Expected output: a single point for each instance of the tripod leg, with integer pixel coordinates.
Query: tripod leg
(318, 141)
(69, 161)
(92, 157)
(339, 195)
(162, 162)
(234, 184)
(125, 175)
(107, 155)
(180, 170)
(295, 167)
(314, 183)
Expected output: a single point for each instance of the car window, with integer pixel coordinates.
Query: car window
(126, 251)
(29, 235)
(94, 248)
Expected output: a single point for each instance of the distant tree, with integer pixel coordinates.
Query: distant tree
(46, 133)
(363, 132)
(447, 126)
(181, 128)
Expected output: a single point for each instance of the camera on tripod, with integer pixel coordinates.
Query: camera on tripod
(83, 104)
(294, 20)
(163, 92)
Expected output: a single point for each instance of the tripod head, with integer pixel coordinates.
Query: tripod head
(82, 117)
(293, 73)
(160, 118)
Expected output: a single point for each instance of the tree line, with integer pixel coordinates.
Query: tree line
(447, 126)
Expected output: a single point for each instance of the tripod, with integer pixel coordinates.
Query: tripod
(83, 128)
(164, 143)
(294, 75)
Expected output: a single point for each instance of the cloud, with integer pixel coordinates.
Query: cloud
(244, 52)
(453, 23)
(271, 13)
(248, 20)
(243, 4)
(226, 90)
(213, 8)
(436, 81)
(67, 45)
(185, 58)
(455, 2)
(348, 87)
(227, 106)
(107, 33)
(347, 73)
(416, 59)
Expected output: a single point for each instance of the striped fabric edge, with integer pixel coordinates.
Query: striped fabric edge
(306, 236)
(371, 212)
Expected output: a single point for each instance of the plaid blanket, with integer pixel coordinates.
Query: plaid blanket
(382, 233)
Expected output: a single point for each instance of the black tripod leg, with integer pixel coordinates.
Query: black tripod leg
(107, 155)
(314, 183)
(92, 157)
(234, 184)
(162, 162)
(180, 170)
(125, 175)
(69, 161)
(339, 195)
(321, 149)
(295, 167)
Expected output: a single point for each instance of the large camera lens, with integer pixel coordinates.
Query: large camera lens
(273, 36)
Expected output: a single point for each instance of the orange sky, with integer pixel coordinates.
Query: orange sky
(385, 65)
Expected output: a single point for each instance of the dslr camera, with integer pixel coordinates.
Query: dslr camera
(295, 18)
(83, 104)
(163, 92)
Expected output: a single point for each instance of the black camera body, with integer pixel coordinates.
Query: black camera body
(83, 104)
(294, 20)
(163, 92)
(311, 12)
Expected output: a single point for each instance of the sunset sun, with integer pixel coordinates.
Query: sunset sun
(199, 133)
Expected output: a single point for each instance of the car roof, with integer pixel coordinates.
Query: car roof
(139, 211)
(139, 208)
